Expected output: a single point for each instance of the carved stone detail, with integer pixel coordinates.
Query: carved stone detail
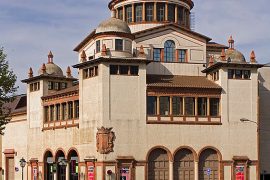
(104, 140)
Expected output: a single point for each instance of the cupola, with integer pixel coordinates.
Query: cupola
(50, 68)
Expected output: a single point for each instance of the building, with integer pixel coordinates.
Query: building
(153, 100)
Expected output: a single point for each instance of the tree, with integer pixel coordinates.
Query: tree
(7, 90)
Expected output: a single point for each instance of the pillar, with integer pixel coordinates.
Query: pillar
(196, 170)
(176, 14)
(143, 12)
(155, 11)
(133, 12)
(67, 171)
(196, 106)
(166, 11)
(124, 14)
(55, 176)
(170, 170)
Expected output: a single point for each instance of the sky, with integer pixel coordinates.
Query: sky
(29, 29)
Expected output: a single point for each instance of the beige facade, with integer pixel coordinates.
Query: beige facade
(153, 100)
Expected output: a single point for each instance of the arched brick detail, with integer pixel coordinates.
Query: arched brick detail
(195, 155)
(45, 152)
(58, 150)
(213, 148)
(73, 149)
(160, 147)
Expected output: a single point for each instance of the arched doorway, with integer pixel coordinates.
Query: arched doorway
(61, 168)
(48, 165)
(73, 167)
(183, 166)
(209, 165)
(158, 165)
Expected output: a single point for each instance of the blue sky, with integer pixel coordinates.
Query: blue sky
(30, 28)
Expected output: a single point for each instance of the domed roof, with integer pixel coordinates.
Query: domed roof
(52, 69)
(235, 56)
(113, 25)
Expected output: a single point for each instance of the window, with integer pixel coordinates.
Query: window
(64, 111)
(230, 74)
(169, 51)
(113, 69)
(156, 55)
(63, 85)
(151, 105)
(177, 106)
(246, 74)
(180, 15)
(182, 55)
(51, 113)
(70, 110)
(160, 12)
(149, 8)
(119, 45)
(164, 105)
(34, 87)
(77, 109)
(138, 11)
(120, 13)
(202, 106)
(189, 106)
(90, 72)
(98, 46)
(46, 114)
(238, 74)
(57, 112)
(134, 70)
(214, 106)
(171, 13)
(123, 70)
(50, 85)
(187, 17)
(215, 76)
(57, 86)
(128, 14)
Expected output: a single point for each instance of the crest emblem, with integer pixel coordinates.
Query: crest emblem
(104, 140)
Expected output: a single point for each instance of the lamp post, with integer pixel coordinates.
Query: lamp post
(22, 164)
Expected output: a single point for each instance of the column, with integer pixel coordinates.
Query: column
(166, 11)
(124, 14)
(49, 114)
(67, 171)
(196, 170)
(143, 12)
(170, 170)
(176, 14)
(196, 106)
(61, 111)
(55, 176)
(133, 12)
(158, 109)
(155, 11)
(208, 106)
(73, 104)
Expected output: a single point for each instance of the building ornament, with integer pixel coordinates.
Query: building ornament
(104, 140)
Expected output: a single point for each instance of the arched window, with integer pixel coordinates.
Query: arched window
(183, 167)
(169, 51)
(48, 165)
(73, 160)
(158, 165)
(209, 165)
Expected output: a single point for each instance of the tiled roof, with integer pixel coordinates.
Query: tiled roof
(216, 45)
(71, 89)
(180, 81)
(18, 105)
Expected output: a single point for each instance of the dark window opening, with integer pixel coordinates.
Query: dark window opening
(119, 45)
(151, 105)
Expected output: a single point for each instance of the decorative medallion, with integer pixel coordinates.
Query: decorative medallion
(105, 138)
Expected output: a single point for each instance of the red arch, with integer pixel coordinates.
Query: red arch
(73, 149)
(160, 147)
(48, 150)
(213, 148)
(58, 150)
(189, 148)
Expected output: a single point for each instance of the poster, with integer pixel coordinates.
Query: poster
(91, 173)
(240, 172)
(124, 174)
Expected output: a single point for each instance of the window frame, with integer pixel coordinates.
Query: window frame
(149, 12)
(119, 45)
(169, 51)
(138, 12)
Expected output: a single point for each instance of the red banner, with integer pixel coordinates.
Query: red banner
(240, 173)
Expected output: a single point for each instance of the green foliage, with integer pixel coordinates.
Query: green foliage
(7, 90)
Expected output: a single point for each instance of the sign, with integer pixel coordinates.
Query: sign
(208, 171)
(91, 173)
(240, 173)
(16, 169)
(124, 174)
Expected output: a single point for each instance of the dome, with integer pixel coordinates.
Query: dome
(52, 69)
(235, 56)
(113, 25)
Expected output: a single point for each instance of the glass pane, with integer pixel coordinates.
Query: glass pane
(202, 106)
(119, 45)
(177, 106)
(156, 55)
(123, 70)
(113, 69)
(180, 15)
(169, 51)
(238, 74)
(160, 12)
(230, 74)
(214, 106)
(97, 46)
(171, 13)
(181, 55)
(149, 12)
(246, 74)
(138, 10)
(190, 106)
(164, 102)
(151, 105)
(134, 70)
(129, 14)
(120, 13)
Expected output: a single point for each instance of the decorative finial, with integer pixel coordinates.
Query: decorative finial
(231, 42)
(211, 61)
(50, 57)
(141, 52)
(68, 72)
(104, 50)
(223, 55)
(83, 56)
(30, 73)
(43, 68)
(253, 57)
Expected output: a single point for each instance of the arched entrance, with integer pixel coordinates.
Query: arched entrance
(48, 165)
(183, 167)
(209, 165)
(61, 167)
(73, 167)
(158, 165)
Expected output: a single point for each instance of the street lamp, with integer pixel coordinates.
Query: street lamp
(247, 120)
(22, 164)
